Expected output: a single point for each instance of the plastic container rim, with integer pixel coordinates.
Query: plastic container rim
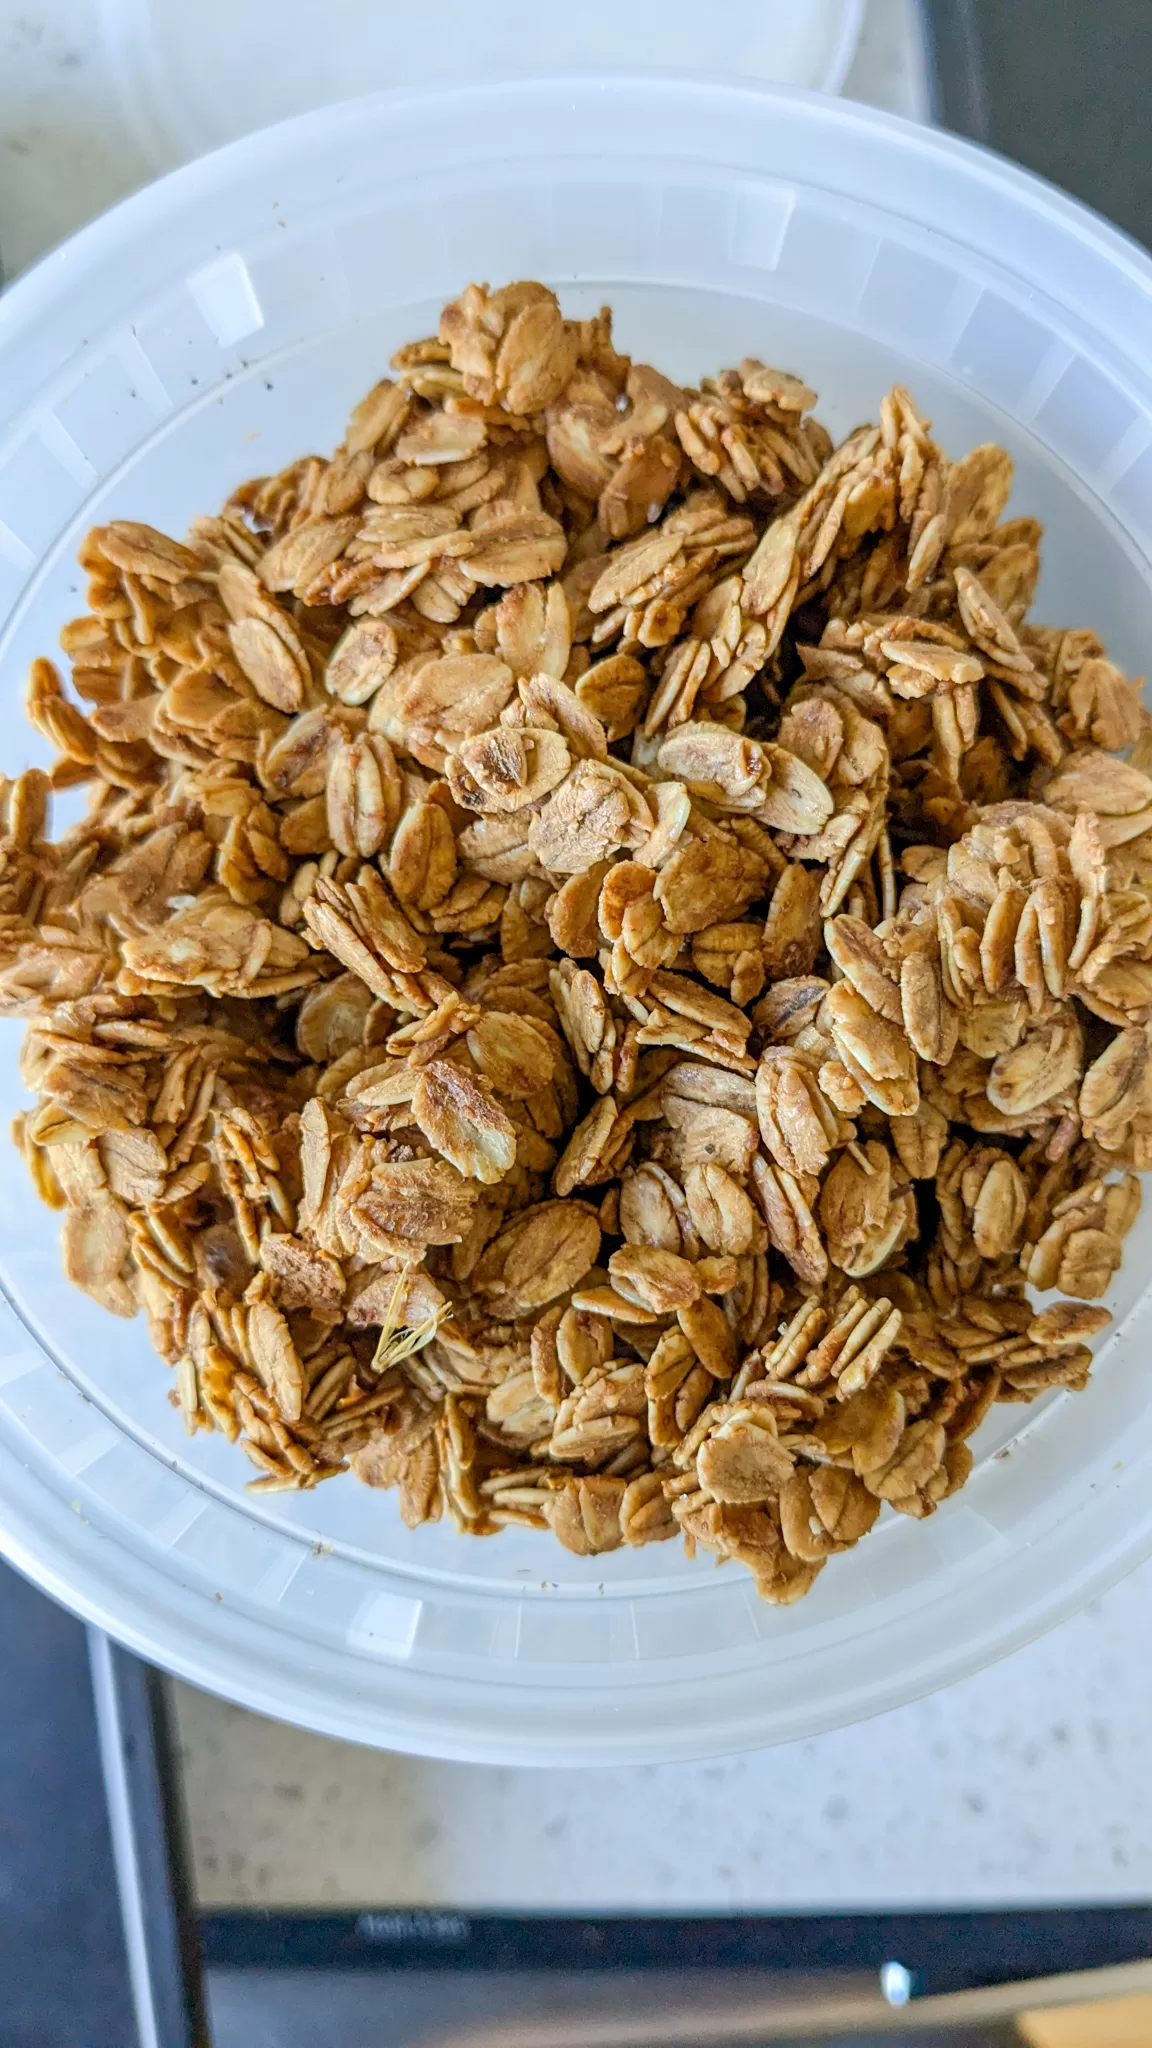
(34, 1519)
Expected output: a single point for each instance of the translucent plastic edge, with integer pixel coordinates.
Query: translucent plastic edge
(1003, 1640)
(229, 1652)
(60, 273)
(144, 88)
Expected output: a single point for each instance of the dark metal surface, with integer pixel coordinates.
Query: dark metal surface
(63, 1972)
(145, 1807)
(943, 1952)
(1060, 85)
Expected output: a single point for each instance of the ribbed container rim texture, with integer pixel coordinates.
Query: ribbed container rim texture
(222, 320)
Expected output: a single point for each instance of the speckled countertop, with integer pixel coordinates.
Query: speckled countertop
(1027, 1782)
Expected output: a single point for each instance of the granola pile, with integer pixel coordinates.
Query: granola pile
(605, 961)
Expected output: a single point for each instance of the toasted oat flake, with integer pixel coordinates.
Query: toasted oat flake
(605, 959)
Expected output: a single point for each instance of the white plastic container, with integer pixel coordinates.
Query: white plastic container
(192, 78)
(222, 322)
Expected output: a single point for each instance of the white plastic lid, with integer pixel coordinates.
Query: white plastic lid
(194, 77)
(224, 320)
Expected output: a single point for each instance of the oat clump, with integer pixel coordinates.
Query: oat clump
(604, 957)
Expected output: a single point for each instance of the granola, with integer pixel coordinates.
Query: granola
(605, 957)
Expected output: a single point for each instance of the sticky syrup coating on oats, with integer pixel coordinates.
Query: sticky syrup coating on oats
(606, 961)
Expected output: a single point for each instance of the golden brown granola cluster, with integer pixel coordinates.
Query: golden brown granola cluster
(604, 957)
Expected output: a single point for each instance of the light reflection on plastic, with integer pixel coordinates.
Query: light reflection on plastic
(895, 1983)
